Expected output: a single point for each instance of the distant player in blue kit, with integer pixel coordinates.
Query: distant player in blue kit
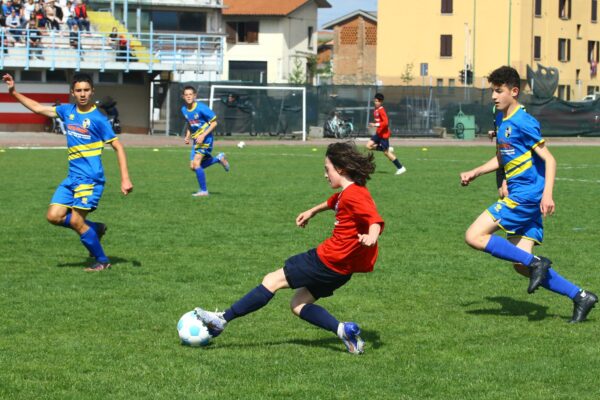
(530, 170)
(87, 130)
(201, 122)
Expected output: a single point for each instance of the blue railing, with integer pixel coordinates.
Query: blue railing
(144, 51)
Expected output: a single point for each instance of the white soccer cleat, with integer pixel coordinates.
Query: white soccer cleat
(214, 321)
(400, 171)
(348, 332)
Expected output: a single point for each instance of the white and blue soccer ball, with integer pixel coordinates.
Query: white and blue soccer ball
(192, 331)
(241, 145)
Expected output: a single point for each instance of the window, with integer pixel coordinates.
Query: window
(242, 32)
(564, 9)
(594, 10)
(564, 92)
(134, 77)
(593, 89)
(446, 46)
(177, 21)
(451, 82)
(248, 71)
(108, 77)
(537, 47)
(310, 37)
(31, 76)
(538, 8)
(349, 35)
(564, 50)
(439, 82)
(593, 52)
(578, 31)
(446, 6)
(56, 76)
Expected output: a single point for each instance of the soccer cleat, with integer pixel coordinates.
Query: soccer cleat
(201, 193)
(214, 321)
(400, 171)
(348, 332)
(223, 161)
(99, 266)
(538, 270)
(582, 305)
(102, 228)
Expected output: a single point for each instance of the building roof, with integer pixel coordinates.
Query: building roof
(371, 15)
(267, 7)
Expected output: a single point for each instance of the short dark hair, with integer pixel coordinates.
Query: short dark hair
(353, 163)
(379, 96)
(193, 89)
(81, 77)
(505, 75)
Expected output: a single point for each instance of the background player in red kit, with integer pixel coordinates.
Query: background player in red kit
(380, 141)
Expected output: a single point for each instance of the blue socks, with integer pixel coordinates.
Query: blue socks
(201, 176)
(557, 284)
(255, 299)
(397, 163)
(320, 317)
(502, 248)
(91, 242)
(207, 162)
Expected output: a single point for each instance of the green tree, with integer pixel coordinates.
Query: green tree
(407, 75)
(297, 76)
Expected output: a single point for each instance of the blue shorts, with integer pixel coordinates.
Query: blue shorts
(307, 270)
(204, 148)
(382, 144)
(518, 220)
(77, 192)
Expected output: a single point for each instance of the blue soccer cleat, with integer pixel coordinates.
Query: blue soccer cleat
(223, 161)
(348, 332)
(214, 321)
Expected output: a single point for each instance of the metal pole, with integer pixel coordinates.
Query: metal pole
(474, 37)
(509, 27)
(125, 12)
(304, 114)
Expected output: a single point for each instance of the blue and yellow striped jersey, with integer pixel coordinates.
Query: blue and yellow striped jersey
(518, 134)
(86, 134)
(198, 118)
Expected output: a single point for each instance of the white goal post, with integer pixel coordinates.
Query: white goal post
(241, 87)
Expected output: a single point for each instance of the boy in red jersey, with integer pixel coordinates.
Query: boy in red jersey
(380, 141)
(318, 272)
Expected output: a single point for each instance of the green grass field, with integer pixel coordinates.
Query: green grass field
(441, 321)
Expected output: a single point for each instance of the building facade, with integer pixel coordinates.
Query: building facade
(441, 38)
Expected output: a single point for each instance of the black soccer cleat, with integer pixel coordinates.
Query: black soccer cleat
(582, 305)
(538, 270)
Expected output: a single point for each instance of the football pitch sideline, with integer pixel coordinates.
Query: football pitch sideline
(440, 320)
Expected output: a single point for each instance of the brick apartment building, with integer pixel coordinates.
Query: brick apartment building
(354, 48)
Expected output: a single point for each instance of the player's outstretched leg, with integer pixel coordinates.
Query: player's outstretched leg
(583, 303)
(214, 321)
(349, 333)
(100, 229)
(223, 161)
(538, 270)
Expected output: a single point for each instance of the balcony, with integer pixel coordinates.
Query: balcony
(96, 51)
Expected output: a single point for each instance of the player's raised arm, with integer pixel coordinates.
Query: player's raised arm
(126, 185)
(31, 104)
(304, 217)
(469, 176)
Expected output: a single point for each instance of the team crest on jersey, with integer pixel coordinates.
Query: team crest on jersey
(196, 116)
(507, 132)
(86, 123)
(84, 200)
(71, 117)
(498, 207)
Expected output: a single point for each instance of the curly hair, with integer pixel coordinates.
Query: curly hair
(505, 75)
(353, 163)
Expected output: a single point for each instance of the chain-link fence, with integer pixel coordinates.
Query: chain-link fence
(413, 111)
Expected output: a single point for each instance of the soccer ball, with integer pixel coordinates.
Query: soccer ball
(241, 145)
(192, 331)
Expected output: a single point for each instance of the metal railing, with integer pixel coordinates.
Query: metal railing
(83, 50)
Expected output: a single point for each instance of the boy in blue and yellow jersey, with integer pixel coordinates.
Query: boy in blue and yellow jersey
(201, 122)
(87, 130)
(530, 170)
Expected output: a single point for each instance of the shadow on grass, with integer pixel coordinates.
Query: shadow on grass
(513, 308)
(372, 341)
(113, 260)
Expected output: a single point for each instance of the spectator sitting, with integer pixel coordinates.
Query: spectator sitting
(35, 39)
(8, 39)
(50, 14)
(16, 4)
(74, 37)
(28, 8)
(81, 16)
(69, 14)
(6, 8)
(39, 15)
(13, 23)
(114, 38)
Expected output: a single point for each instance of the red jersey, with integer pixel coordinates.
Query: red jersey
(355, 211)
(382, 123)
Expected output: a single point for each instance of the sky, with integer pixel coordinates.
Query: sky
(343, 7)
